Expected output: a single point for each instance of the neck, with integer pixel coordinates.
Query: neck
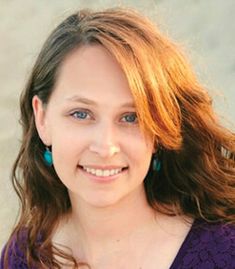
(112, 225)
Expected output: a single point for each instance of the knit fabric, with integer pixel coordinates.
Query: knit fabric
(207, 246)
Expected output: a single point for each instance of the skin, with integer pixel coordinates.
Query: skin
(90, 121)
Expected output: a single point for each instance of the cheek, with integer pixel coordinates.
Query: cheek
(68, 136)
(67, 147)
(65, 159)
(140, 152)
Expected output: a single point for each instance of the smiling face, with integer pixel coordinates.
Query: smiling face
(99, 152)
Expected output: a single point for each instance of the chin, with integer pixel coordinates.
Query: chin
(103, 201)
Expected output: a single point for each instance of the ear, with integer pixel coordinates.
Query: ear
(155, 145)
(40, 120)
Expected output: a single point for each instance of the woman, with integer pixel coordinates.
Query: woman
(123, 162)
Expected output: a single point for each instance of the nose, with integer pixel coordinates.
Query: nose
(105, 141)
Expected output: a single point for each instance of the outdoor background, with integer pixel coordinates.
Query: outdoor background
(204, 28)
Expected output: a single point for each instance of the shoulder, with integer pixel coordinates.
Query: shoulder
(210, 246)
(15, 252)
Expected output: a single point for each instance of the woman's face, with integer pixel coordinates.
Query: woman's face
(99, 152)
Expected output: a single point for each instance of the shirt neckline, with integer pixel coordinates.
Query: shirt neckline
(184, 246)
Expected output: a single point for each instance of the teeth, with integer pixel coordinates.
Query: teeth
(102, 173)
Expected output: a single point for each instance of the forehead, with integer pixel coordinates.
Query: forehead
(92, 71)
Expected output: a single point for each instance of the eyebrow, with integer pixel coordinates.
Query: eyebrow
(87, 101)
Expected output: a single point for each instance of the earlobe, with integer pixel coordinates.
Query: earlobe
(40, 119)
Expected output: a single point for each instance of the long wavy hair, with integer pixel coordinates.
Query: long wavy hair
(197, 176)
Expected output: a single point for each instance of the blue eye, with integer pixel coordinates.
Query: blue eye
(130, 118)
(80, 114)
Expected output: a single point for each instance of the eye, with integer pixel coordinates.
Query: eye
(81, 114)
(130, 118)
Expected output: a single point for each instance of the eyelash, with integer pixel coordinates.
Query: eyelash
(131, 114)
(80, 111)
(88, 113)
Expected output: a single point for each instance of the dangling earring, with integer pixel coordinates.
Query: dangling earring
(156, 163)
(157, 156)
(48, 157)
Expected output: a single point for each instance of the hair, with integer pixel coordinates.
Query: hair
(197, 176)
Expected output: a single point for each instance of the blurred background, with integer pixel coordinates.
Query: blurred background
(204, 28)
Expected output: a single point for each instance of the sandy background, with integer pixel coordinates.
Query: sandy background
(205, 28)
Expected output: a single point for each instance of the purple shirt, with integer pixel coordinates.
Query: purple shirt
(207, 246)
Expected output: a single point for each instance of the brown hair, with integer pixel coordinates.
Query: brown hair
(195, 179)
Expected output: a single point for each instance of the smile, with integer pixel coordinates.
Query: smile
(102, 172)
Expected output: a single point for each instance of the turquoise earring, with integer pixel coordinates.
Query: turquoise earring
(48, 157)
(156, 160)
(156, 164)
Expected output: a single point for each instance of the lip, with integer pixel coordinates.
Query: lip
(100, 179)
(104, 167)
